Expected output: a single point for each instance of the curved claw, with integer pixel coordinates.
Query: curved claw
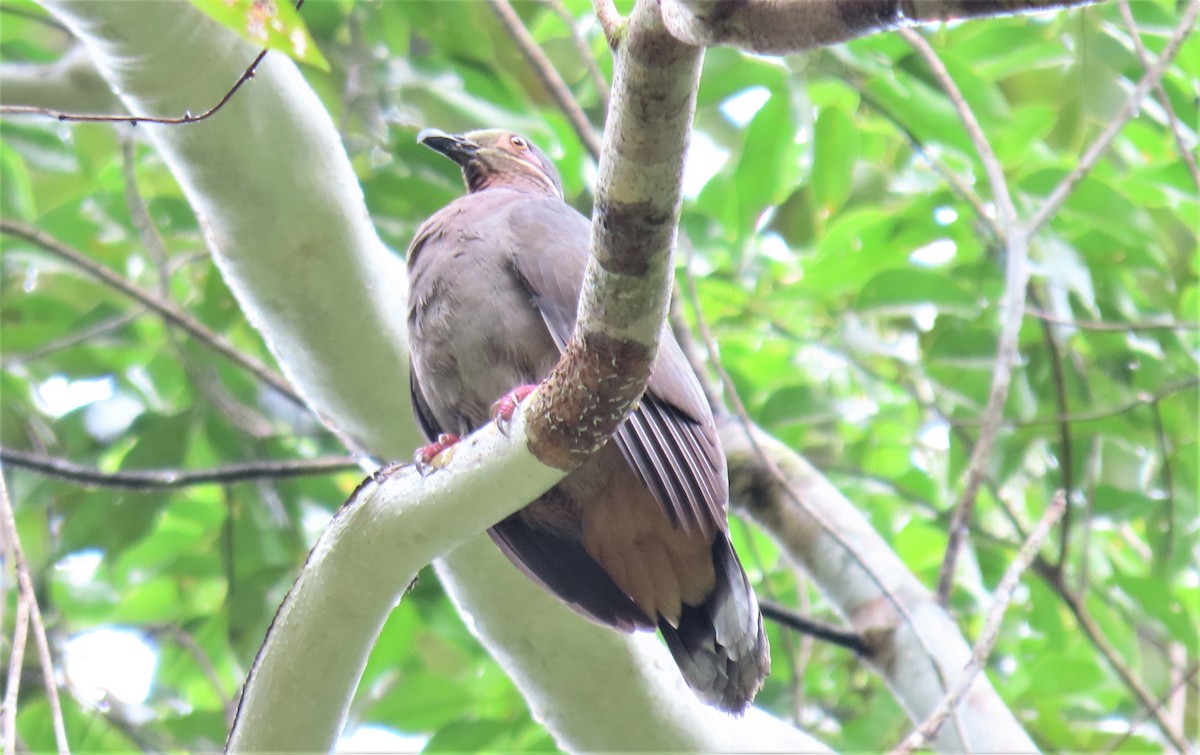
(506, 406)
(426, 457)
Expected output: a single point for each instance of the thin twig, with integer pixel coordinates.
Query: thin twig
(8, 527)
(1132, 103)
(928, 729)
(991, 164)
(1062, 405)
(134, 120)
(822, 631)
(1145, 713)
(585, 52)
(1111, 326)
(952, 179)
(1016, 279)
(1140, 400)
(1053, 577)
(83, 335)
(167, 310)
(169, 479)
(746, 424)
(546, 73)
(16, 660)
(188, 643)
(1172, 120)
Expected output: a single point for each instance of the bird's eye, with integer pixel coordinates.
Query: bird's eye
(519, 143)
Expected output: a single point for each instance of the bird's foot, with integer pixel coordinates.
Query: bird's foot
(506, 406)
(426, 457)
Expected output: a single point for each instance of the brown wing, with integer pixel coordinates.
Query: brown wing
(670, 440)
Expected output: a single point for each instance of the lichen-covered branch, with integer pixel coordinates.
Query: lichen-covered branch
(783, 26)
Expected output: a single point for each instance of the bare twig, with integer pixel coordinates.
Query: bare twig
(8, 527)
(991, 164)
(1172, 120)
(16, 659)
(1141, 399)
(1111, 326)
(83, 335)
(991, 630)
(952, 179)
(1135, 721)
(1016, 279)
(581, 47)
(1053, 577)
(1097, 148)
(167, 310)
(188, 643)
(822, 631)
(168, 479)
(546, 73)
(746, 424)
(1062, 405)
(134, 120)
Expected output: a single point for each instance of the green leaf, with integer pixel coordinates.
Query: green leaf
(902, 290)
(274, 24)
(835, 153)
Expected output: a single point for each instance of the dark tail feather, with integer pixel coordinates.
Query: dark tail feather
(719, 645)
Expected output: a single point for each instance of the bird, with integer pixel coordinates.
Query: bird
(636, 537)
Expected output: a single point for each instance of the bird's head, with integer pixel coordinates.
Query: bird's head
(495, 158)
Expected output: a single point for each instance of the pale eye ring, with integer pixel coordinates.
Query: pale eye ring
(518, 142)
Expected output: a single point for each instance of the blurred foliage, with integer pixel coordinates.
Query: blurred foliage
(852, 289)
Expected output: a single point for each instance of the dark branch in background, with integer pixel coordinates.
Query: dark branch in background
(134, 120)
(822, 631)
(928, 729)
(1144, 713)
(550, 78)
(167, 310)
(167, 479)
(585, 53)
(1066, 458)
(1054, 578)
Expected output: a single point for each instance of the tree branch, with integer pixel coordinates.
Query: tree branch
(991, 629)
(1153, 75)
(8, 528)
(170, 479)
(777, 27)
(319, 272)
(833, 635)
(1053, 577)
(1177, 131)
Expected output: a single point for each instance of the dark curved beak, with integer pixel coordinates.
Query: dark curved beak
(454, 146)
